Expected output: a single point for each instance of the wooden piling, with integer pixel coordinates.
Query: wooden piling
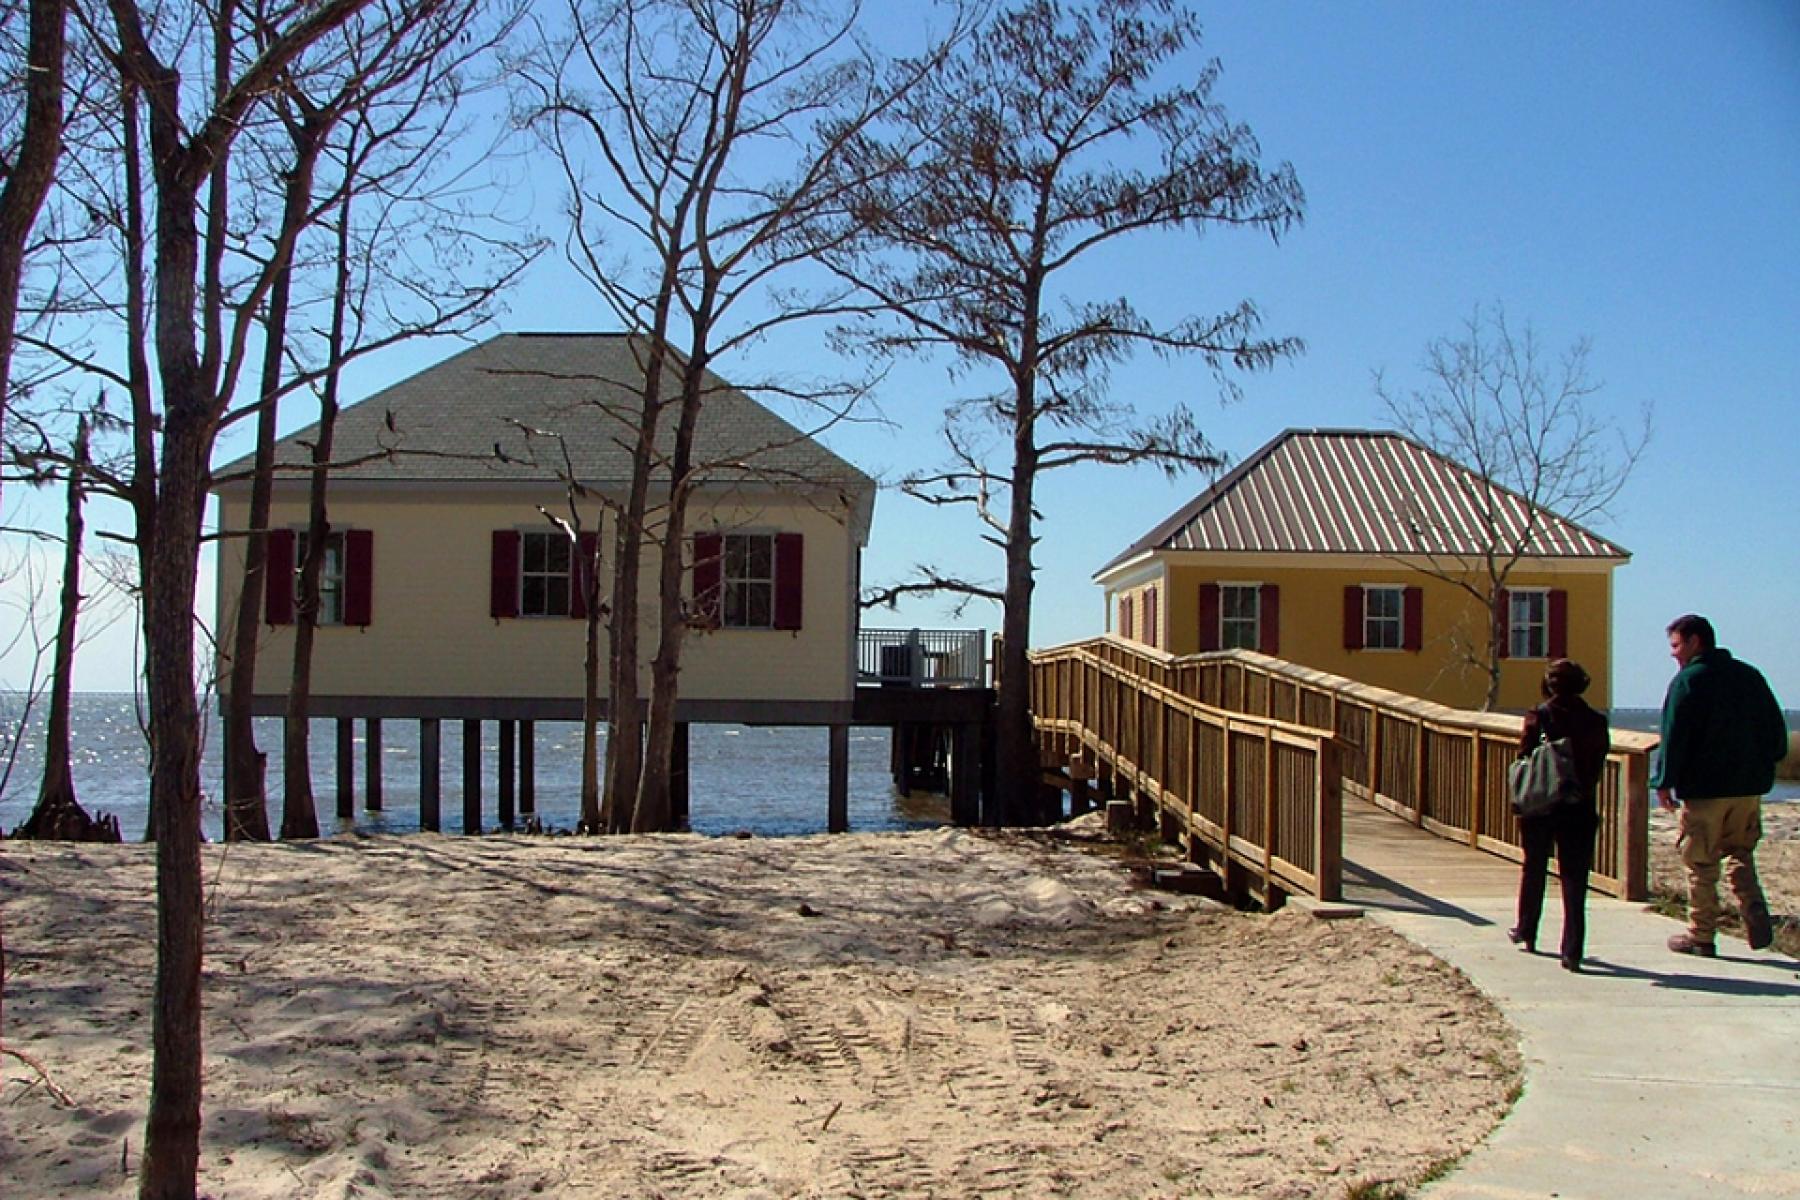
(471, 777)
(430, 770)
(679, 778)
(507, 781)
(528, 768)
(372, 764)
(346, 769)
(837, 818)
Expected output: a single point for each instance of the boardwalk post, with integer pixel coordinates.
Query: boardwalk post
(471, 776)
(507, 773)
(346, 769)
(1328, 830)
(1634, 837)
(1477, 790)
(1270, 816)
(837, 818)
(372, 764)
(430, 746)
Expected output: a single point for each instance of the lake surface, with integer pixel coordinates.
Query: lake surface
(770, 781)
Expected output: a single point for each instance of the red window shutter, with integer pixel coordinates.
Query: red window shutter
(790, 579)
(581, 573)
(1150, 616)
(1209, 616)
(278, 577)
(359, 577)
(1126, 611)
(1353, 617)
(1412, 605)
(709, 600)
(503, 587)
(1559, 623)
(1269, 631)
(1503, 622)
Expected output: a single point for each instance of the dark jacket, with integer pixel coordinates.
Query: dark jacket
(1722, 730)
(1571, 717)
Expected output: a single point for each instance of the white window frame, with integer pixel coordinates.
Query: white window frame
(332, 580)
(552, 581)
(1392, 625)
(741, 591)
(1528, 632)
(1229, 623)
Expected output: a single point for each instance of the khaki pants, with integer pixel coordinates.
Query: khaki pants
(1728, 828)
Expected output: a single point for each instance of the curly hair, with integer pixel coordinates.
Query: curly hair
(1565, 677)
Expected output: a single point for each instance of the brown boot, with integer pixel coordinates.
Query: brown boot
(1758, 927)
(1683, 943)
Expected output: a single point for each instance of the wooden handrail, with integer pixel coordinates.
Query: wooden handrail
(1441, 768)
(1258, 797)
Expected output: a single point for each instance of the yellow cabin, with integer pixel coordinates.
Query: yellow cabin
(1364, 553)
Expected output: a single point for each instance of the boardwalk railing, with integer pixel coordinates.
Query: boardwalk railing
(922, 657)
(1442, 769)
(1257, 797)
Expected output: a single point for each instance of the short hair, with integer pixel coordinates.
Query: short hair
(1691, 625)
(1565, 677)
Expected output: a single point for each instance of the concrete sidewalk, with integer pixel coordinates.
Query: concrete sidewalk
(1649, 1075)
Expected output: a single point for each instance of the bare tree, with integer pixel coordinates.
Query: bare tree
(714, 147)
(28, 163)
(1542, 448)
(394, 105)
(58, 813)
(1048, 140)
(191, 129)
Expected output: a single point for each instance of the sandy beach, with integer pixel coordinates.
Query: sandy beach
(930, 1014)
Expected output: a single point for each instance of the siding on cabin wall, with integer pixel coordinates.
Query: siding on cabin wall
(432, 634)
(1312, 622)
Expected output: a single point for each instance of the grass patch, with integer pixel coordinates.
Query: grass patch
(1673, 904)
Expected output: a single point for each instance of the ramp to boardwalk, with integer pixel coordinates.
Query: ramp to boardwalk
(1647, 1075)
(1437, 769)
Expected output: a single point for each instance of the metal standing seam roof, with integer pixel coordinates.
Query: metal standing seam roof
(1313, 491)
(445, 422)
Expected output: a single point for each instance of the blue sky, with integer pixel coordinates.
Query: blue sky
(1624, 172)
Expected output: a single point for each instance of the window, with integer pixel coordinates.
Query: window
(1528, 623)
(331, 577)
(749, 580)
(1239, 610)
(543, 575)
(1384, 626)
(534, 573)
(749, 575)
(1240, 616)
(346, 578)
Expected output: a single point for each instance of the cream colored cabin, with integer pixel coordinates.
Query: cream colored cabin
(450, 593)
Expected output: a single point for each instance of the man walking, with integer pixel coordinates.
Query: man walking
(1722, 734)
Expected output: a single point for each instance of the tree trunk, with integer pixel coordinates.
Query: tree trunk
(591, 817)
(33, 168)
(58, 814)
(625, 722)
(172, 1133)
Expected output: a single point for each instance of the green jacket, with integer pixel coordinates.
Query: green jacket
(1722, 730)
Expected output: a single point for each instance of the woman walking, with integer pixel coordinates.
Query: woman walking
(1569, 828)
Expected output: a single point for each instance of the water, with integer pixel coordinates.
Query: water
(769, 781)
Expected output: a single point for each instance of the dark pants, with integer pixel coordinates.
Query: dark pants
(1570, 832)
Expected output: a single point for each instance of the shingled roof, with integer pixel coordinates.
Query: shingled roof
(444, 423)
(1355, 491)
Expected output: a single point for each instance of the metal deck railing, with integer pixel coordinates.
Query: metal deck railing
(922, 658)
